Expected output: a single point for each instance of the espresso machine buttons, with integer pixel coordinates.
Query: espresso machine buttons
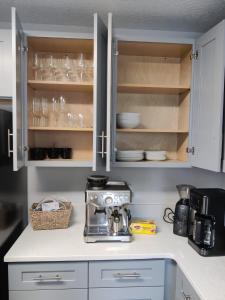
(108, 200)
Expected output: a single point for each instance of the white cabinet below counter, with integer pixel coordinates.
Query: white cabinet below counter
(184, 290)
(5, 64)
(73, 294)
(148, 279)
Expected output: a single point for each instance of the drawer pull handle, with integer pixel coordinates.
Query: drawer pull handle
(127, 275)
(186, 297)
(41, 278)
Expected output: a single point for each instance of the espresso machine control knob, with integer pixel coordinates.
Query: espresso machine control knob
(108, 200)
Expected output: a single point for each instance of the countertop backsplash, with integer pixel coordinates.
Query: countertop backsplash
(153, 189)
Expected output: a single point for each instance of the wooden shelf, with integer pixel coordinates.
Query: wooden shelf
(151, 89)
(61, 86)
(154, 49)
(62, 45)
(169, 163)
(61, 129)
(144, 130)
(59, 163)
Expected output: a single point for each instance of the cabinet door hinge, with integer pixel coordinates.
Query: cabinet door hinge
(115, 50)
(194, 55)
(24, 49)
(190, 150)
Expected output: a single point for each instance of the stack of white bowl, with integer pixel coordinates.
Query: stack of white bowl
(155, 155)
(128, 120)
(130, 155)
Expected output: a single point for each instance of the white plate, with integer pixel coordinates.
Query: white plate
(158, 152)
(155, 159)
(129, 159)
(128, 152)
(128, 115)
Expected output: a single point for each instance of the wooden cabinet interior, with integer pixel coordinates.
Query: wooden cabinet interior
(78, 95)
(154, 79)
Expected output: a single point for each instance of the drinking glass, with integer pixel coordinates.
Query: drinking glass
(36, 112)
(72, 119)
(44, 112)
(36, 65)
(55, 110)
(62, 110)
(52, 66)
(81, 67)
(81, 120)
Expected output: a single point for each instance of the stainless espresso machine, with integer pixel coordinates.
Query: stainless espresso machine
(107, 213)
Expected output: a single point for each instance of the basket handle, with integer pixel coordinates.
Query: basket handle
(48, 199)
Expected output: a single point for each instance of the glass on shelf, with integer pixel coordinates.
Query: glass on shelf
(36, 112)
(40, 112)
(44, 112)
(62, 67)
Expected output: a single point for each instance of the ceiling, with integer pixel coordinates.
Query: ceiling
(180, 15)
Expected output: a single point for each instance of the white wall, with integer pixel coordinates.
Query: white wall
(153, 189)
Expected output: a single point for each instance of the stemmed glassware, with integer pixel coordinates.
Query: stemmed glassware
(57, 109)
(81, 67)
(56, 67)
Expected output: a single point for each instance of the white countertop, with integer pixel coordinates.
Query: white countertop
(206, 274)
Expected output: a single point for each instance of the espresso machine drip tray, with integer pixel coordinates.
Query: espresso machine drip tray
(101, 234)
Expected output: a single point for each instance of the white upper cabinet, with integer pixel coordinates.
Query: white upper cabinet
(109, 93)
(59, 97)
(178, 94)
(18, 91)
(99, 113)
(151, 77)
(208, 98)
(5, 64)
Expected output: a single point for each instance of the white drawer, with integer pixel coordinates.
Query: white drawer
(34, 276)
(71, 294)
(131, 293)
(126, 273)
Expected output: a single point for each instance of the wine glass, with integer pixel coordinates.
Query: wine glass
(68, 67)
(81, 120)
(81, 67)
(52, 66)
(36, 66)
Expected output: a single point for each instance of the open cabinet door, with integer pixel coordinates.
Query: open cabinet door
(99, 97)
(109, 93)
(18, 92)
(207, 120)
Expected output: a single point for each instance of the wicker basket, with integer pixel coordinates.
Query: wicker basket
(47, 220)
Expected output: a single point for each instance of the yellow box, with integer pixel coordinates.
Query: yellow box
(141, 226)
